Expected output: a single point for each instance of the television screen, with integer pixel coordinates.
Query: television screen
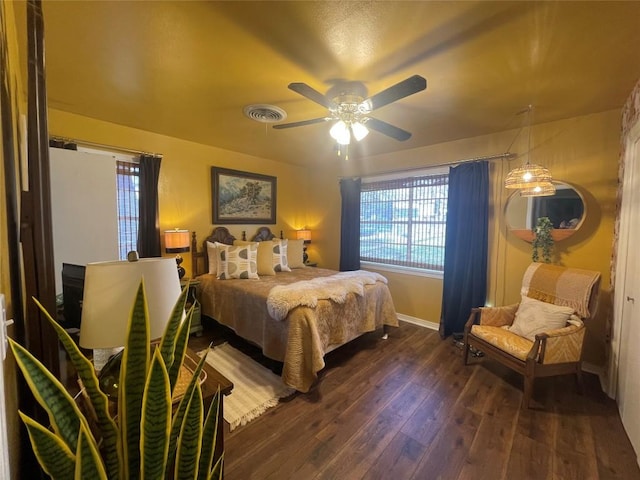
(72, 291)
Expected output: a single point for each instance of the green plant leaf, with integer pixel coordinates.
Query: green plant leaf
(99, 401)
(167, 344)
(216, 473)
(64, 414)
(188, 452)
(209, 437)
(179, 414)
(55, 457)
(89, 463)
(180, 347)
(133, 372)
(156, 419)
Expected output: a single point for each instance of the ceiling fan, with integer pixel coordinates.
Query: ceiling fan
(350, 107)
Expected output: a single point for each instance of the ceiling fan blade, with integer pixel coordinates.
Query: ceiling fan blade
(312, 94)
(400, 90)
(387, 129)
(302, 123)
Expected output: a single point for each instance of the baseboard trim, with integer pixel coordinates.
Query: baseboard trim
(419, 322)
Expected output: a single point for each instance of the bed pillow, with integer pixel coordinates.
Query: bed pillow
(279, 256)
(534, 316)
(237, 261)
(265, 260)
(294, 253)
(212, 257)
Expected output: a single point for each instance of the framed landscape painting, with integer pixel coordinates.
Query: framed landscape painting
(242, 197)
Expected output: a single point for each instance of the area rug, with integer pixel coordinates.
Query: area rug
(255, 388)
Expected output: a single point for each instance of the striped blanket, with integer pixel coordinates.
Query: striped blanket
(567, 287)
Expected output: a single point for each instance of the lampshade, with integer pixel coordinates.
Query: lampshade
(176, 241)
(304, 235)
(109, 292)
(528, 176)
(359, 131)
(542, 190)
(340, 132)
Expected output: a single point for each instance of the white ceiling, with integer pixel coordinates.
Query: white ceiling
(187, 69)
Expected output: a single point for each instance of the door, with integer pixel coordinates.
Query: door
(627, 297)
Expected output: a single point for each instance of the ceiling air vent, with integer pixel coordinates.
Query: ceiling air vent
(265, 113)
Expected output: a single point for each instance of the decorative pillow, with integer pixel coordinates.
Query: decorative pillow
(265, 260)
(534, 316)
(237, 261)
(279, 256)
(212, 256)
(294, 253)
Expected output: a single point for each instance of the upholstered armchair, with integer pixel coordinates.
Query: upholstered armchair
(543, 334)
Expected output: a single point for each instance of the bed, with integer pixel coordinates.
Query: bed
(296, 317)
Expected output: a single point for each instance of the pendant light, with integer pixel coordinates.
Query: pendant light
(529, 175)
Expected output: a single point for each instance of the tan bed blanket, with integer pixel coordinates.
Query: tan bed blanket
(307, 333)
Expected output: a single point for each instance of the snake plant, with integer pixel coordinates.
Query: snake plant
(147, 438)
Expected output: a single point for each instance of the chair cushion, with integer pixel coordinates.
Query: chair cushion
(534, 316)
(503, 339)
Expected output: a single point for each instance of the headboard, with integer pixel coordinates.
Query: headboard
(220, 235)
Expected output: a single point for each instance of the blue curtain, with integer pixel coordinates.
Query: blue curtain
(466, 244)
(350, 224)
(149, 225)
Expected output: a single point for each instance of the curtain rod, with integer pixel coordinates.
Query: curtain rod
(103, 146)
(498, 156)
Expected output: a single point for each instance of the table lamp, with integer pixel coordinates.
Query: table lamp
(304, 235)
(109, 292)
(177, 241)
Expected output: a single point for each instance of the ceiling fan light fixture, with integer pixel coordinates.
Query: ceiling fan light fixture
(340, 132)
(359, 131)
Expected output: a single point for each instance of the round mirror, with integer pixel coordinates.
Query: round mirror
(566, 209)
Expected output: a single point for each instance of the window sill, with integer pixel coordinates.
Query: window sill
(416, 272)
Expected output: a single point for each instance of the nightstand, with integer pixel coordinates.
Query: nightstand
(192, 299)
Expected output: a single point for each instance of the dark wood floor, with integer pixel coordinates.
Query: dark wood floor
(406, 408)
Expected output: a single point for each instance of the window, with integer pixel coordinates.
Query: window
(128, 185)
(402, 221)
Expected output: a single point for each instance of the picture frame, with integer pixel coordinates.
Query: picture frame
(242, 197)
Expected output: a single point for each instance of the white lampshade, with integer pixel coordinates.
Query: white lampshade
(340, 132)
(109, 292)
(359, 131)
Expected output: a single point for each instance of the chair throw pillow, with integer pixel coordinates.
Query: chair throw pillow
(237, 261)
(534, 317)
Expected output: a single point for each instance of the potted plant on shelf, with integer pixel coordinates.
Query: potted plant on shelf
(148, 437)
(542, 240)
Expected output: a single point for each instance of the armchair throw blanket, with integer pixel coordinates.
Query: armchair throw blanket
(284, 298)
(567, 287)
